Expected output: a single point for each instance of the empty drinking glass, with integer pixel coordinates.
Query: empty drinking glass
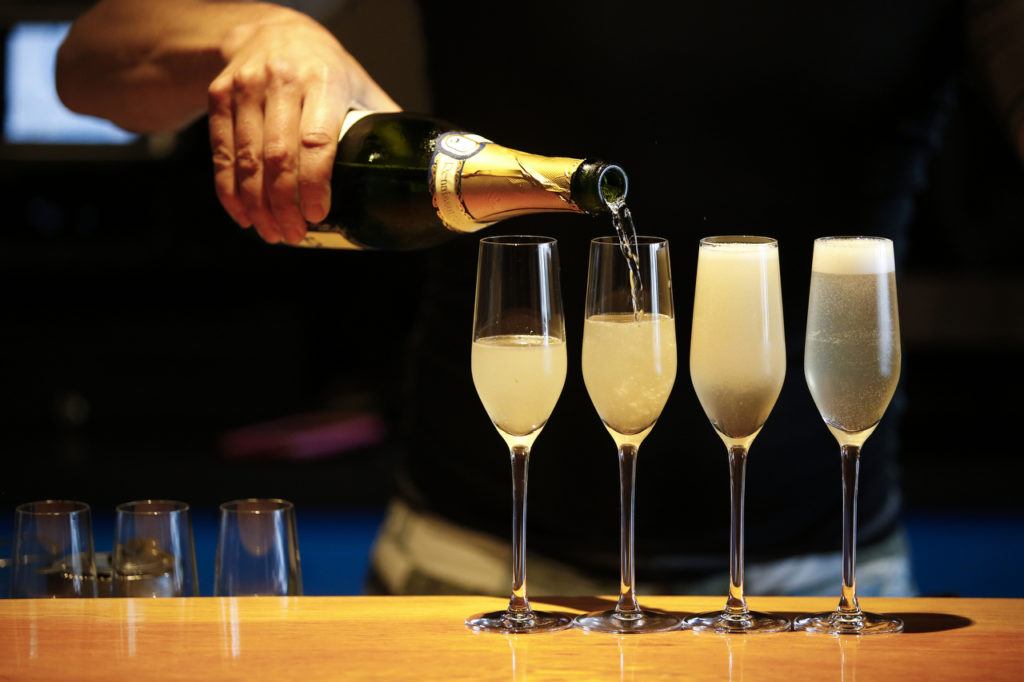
(257, 549)
(53, 551)
(154, 555)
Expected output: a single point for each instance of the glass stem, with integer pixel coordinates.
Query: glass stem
(851, 467)
(627, 606)
(519, 605)
(736, 605)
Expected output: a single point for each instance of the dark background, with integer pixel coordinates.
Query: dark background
(139, 328)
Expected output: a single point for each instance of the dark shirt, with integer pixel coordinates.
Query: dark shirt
(792, 120)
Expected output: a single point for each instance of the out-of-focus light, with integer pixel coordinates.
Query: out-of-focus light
(33, 112)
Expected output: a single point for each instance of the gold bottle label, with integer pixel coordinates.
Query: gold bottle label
(476, 183)
(320, 237)
(451, 152)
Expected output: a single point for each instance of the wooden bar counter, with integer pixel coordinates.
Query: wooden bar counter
(419, 638)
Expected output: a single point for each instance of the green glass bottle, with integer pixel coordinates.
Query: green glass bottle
(405, 181)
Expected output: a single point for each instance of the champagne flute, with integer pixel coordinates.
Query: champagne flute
(737, 365)
(852, 366)
(629, 366)
(518, 361)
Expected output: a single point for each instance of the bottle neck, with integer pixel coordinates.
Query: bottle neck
(597, 186)
(492, 183)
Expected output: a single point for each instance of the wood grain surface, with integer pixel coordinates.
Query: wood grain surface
(422, 638)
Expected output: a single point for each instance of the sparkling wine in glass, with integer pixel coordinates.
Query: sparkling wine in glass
(852, 366)
(737, 365)
(629, 366)
(518, 361)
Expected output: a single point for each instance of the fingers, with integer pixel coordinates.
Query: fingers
(281, 150)
(222, 143)
(248, 127)
(322, 111)
(274, 131)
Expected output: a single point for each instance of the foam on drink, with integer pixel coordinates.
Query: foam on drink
(853, 256)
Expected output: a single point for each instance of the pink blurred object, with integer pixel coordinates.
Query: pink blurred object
(318, 435)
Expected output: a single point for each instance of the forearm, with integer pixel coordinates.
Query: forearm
(274, 83)
(147, 65)
(996, 42)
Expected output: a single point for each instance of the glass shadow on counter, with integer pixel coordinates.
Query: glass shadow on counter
(916, 622)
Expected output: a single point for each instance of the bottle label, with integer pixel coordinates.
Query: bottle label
(451, 151)
(320, 238)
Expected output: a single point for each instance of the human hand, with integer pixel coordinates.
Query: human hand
(275, 114)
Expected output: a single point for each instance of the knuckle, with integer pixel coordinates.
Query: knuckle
(223, 159)
(281, 71)
(247, 162)
(219, 91)
(312, 73)
(316, 139)
(277, 156)
(247, 79)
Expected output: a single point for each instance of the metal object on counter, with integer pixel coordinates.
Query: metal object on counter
(142, 569)
(154, 555)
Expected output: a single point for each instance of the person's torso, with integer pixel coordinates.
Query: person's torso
(792, 121)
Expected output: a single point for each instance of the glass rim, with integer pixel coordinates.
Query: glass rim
(641, 240)
(733, 239)
(518, 240)
(274, 505)
(852, 238)
(74, 507)
(176, 507)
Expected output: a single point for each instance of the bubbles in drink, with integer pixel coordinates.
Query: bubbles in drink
(852, 350)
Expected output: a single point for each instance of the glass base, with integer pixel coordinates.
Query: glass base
(649, 620)
(837, 623)
(737, 624)
(534, 621)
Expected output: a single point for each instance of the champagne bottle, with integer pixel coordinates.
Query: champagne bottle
(404, 181)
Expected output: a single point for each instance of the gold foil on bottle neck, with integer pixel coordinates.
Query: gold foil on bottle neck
(499, 183)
